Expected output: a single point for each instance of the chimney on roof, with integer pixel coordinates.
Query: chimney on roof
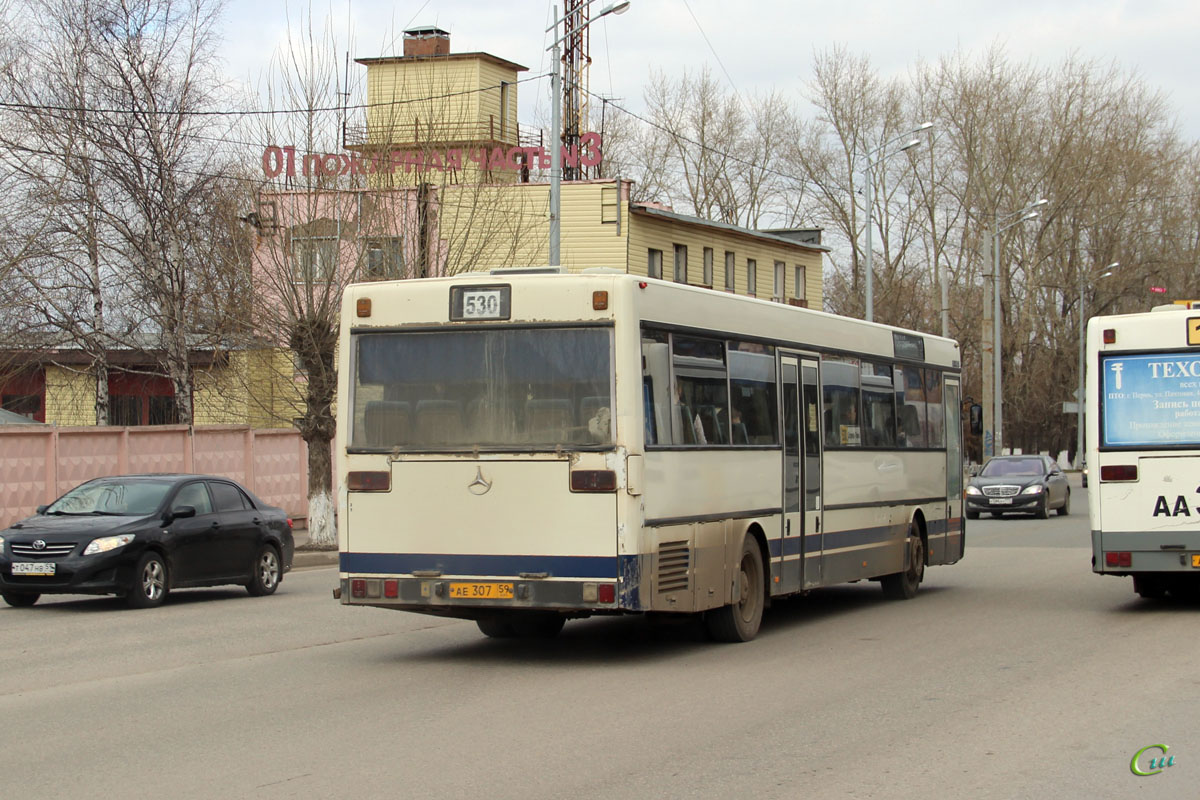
(426, 42)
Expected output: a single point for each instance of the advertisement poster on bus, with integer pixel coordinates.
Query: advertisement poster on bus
(1151, 400)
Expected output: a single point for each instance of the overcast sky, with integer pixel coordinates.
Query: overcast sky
(758, 45)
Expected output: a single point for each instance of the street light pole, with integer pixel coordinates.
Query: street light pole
(556, 121)
(1079, 438)
(1024, 215)
(870, 294)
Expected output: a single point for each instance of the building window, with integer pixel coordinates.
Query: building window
(708, 267)
(654, 263)
(681, 263)
(314, 259)
(751, 277)
(730, 270)
(800, 290)
(780, 276)
(504, 106)
(384, 258)
(137, 399)
(609, 204)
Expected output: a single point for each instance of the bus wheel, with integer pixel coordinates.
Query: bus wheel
(904, 585)
(739, 621)
(538, 625)
(1149, 587)
(497, 627)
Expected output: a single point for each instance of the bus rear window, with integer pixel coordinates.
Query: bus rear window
(504, 388)
(1150, 400)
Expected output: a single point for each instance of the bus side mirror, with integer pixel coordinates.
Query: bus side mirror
(975, 415)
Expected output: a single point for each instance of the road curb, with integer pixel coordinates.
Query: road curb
(314, 558)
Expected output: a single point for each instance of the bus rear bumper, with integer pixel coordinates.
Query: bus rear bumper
(470, 598)
(1131, 552)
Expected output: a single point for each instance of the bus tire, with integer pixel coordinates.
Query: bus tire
(497, 627)
(1149, 587)
(740, 620)
(904, 585)
(537, 625)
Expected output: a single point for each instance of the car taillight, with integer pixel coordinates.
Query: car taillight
(291, 525)
(1119, 472)
(369, 481)
(593, 480)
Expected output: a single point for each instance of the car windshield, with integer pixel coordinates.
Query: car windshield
(1000, 467)
(125, 498)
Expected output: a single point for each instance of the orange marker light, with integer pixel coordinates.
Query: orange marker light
(599, 301)
(363, 307)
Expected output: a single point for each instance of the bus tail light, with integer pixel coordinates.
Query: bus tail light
(1119, 472)
(369, 481)
(358, 587)
(1118, 558)
(608, 593)
(391, 588)
(593, 480)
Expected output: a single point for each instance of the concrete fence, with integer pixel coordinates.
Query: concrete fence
(39, 463)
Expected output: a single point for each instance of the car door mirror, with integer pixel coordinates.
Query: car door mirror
(42, 509)
(181, 512)
(973, 470)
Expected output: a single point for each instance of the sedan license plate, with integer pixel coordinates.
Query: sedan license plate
(1002, 501)
(481, 591)
(33, 568)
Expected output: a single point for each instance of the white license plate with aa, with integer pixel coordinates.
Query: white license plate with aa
(1002, 501)
(33, 568)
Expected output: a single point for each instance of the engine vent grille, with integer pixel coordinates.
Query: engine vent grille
(673, 561)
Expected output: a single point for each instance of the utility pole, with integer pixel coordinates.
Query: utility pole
(987, 353)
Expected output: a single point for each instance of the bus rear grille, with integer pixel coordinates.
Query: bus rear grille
(673, 561)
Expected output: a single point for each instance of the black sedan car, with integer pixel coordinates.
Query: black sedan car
(1018, 483)
(140, 536)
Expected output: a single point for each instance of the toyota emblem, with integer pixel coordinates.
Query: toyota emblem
(39, 544)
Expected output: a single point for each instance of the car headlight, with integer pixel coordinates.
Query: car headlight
(1034, 489)
(107, 543)
(973, 490)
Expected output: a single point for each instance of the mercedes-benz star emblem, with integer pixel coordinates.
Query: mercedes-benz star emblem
(480, 485)
(39, 544)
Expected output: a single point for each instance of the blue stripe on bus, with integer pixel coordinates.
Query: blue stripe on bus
(831, 541)
(456, 564)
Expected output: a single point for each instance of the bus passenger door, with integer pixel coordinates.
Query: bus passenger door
(791, 566)
(955, 535)
(813, 439)
(801, 545)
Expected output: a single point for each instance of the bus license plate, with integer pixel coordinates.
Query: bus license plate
(1002, 501)
(1195, 560)
(33, 568)
(481, 591)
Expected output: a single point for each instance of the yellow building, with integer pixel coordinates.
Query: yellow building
(440, 117)
(258, 388)
(447, 122)
(485, 227)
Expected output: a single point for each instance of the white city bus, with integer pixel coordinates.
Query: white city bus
(523, 447)
(1143, 432)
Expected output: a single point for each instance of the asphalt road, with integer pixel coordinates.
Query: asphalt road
(1014, 674)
